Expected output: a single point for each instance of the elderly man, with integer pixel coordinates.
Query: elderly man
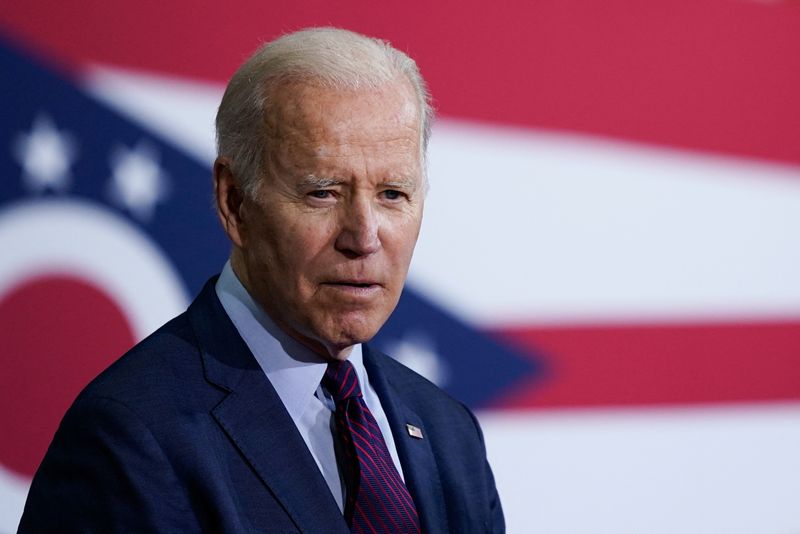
(261, 408)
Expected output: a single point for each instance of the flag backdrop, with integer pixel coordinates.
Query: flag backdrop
(608, 271)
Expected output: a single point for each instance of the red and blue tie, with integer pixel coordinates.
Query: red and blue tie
(377, 499)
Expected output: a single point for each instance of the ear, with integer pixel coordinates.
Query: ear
(229, 198)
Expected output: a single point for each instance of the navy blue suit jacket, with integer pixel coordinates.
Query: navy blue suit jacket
(185, 434)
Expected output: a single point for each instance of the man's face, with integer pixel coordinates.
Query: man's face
(326, 246)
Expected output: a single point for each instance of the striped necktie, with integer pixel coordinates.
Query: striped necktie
(377, 499)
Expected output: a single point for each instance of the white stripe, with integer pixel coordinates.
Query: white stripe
(731, 470)
(526, 227)
(178, 110)
(13, 492)
(531, 227)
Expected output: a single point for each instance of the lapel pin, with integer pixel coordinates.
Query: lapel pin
(413, 431)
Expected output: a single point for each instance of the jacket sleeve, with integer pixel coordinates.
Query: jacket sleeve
(496, 520)
(105, 472)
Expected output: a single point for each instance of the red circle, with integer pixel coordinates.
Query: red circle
(56, 334)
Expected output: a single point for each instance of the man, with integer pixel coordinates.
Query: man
(261, 408)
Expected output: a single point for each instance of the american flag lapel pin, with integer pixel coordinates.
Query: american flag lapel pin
(413, 431)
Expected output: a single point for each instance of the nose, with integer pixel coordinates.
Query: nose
(359, 224)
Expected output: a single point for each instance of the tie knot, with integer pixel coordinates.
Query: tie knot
(341, 381)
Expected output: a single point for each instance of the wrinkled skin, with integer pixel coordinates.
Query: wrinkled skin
(326, 245)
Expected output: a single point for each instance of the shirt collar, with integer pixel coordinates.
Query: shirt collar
(294, 370)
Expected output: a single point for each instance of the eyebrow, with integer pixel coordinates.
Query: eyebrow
(317, 182)
(402, 183)
(320, 183)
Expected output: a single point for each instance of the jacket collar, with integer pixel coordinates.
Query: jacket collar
(254, 418)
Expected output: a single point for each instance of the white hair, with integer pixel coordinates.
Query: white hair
(332, 57)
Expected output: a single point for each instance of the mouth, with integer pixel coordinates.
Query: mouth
(352, 283)
(355, 287)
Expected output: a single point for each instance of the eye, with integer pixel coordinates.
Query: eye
(393, 194)
(321, 193)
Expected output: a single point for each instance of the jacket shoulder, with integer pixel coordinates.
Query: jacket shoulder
(163, 360)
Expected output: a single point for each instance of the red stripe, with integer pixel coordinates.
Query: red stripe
(344, 381)
(373, 479)
(365, 439)
(709, 74)
(395, 486)
(379, 479)
(374, 433)
(398, 487)
(368, 484)
(362, 516)
(366, 455)
(371, 503)
(366, 443)
(657, 364)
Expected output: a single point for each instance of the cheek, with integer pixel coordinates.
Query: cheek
(300, 247)
(402, 237)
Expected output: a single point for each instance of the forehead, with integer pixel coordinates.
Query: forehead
(311, 118)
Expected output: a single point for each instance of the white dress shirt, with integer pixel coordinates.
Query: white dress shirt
(295, 372)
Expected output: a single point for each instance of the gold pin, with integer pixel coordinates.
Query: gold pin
(413, 431)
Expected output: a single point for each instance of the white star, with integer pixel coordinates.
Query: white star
(417, 351)
(45, 155)
(137, 180)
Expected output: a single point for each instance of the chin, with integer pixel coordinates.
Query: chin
(347, 339)
(349, 333)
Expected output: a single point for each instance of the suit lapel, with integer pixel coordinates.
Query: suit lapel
(256, 421)
(254, 418)
(416, 456)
